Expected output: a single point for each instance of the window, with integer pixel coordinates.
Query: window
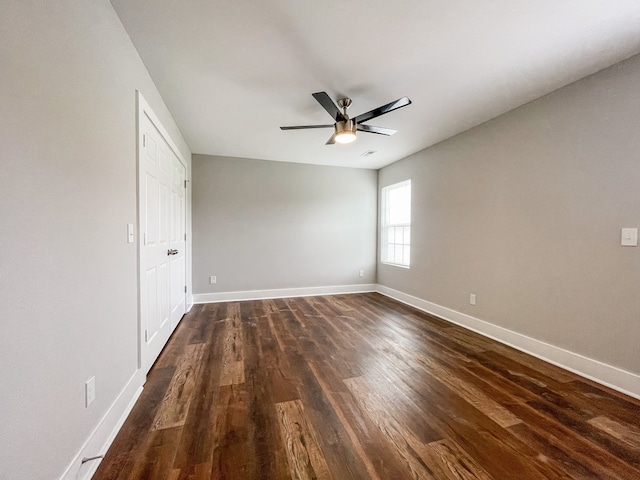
(396, 224)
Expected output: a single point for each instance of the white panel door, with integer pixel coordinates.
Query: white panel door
(178, 241)
(156, 210)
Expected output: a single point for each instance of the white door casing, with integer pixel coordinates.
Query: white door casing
(178, 242)
(162, 227)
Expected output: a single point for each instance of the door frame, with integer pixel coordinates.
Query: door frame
(143, 108)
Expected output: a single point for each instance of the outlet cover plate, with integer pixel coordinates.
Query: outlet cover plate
(629, 237)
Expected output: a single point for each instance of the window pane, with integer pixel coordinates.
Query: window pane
(399, 202)
(390, 236)
(398, 254)
(398, 235)
(407, 235)
(390, 252)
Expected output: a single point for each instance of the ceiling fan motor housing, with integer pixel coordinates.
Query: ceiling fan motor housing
(348, 125)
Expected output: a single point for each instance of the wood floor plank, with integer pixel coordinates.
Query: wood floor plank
(170, 357)
(456, 419)
(135, 436)
(232, 356)
(332, 437)
(400, 437)
(202, 330)
(449, 461)
(562, 452)
(379, 461)
(556, 440)
(547, 369)
(201, 471)
(177, 400)
(157, 458)
(198, 438)
(329, 336)
(629, 455)
(279, 377)
(627, 434)
(370, 351)
(528, 378)
(361, 387)
(474, 396)
(263, 393)
(596, 402)
(233, 457)
(475, 344)
(306, 460)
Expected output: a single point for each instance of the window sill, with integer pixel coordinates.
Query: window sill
(395, 264)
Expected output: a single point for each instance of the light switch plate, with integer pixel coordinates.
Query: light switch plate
(89, 391)
(629, 237)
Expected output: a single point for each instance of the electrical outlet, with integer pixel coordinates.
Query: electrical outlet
(472, 298)
(361, 273)
(212, 279)
(629, 237)
(89, 391)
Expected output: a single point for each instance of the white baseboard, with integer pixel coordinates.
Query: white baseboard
(103, 435)
(608, 375)
(281, 293)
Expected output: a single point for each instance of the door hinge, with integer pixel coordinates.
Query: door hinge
(185, 289)
(185, 184)
(185, 236)
(144, 140)
(146, 335)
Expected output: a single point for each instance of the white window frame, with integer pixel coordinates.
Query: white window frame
(404, 245)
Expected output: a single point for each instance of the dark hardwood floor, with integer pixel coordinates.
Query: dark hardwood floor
(362, 387)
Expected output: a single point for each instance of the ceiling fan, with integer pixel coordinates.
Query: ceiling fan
(345, 127)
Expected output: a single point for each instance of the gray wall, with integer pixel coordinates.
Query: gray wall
(525, 211)
(67, 190)
(265, 225)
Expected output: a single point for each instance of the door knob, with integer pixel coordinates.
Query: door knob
(172, 252)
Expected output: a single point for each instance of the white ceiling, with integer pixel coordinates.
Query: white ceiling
(233, 71)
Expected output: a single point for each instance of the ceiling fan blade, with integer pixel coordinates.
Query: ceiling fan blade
(326, 102)
(302, 127)
(376, 112)
(332, 140)
(378, 130)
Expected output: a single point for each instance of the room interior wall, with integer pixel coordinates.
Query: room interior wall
(526, 211)
(68, 277)
(273, 225)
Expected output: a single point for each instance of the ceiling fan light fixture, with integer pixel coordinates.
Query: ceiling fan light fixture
(345, 131)
(345, 137)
